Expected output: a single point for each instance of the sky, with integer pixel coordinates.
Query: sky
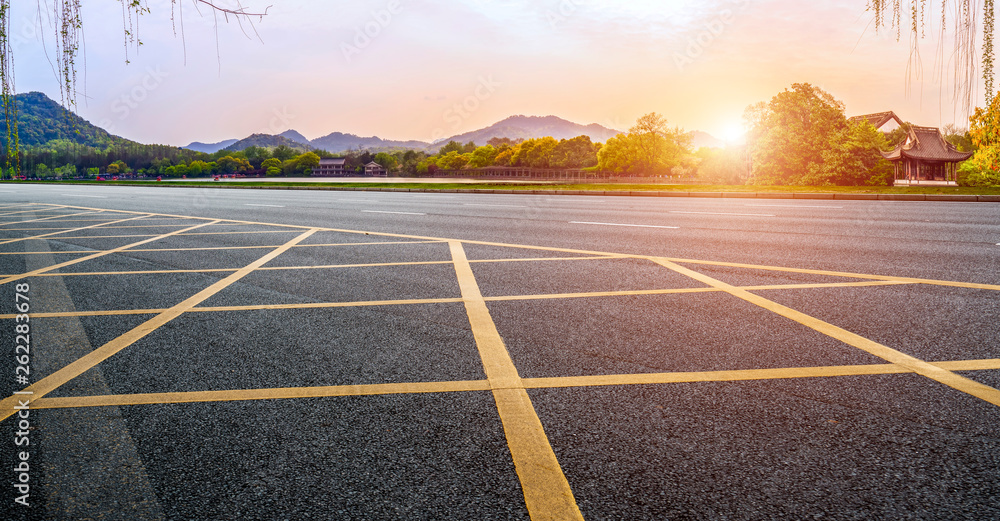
(426, 70)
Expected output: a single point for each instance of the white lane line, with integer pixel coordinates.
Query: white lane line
(91, 196)
(732, 214)
(627, 225)
(7, 192)
(790, 206)
(496, 205)
(266, 205)
(394, 213)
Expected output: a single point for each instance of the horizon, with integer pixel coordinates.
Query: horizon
(411, 70)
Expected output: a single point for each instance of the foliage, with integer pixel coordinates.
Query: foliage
(983, 169)
(801, 137)
(722, 166)
(964, 52)
(649, 148)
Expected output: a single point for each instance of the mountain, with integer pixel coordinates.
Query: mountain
(41, 120)
(339, 142)
(267, 141)
(210, 148)
(528, 127)
(295, 136)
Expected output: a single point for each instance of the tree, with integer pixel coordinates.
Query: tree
(307, 162)
(649, 149)
(964, 52)
(483, 157)
(269, 163)
(68, 25)
(283, 153)
(854, 158)
(793, 130)
(983, 169)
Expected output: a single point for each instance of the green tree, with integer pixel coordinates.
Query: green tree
(483, 157)
(388, 161)
(983, 169)
(792, 133)
(306, 163)
(578, 152)
(283, 153)
(854, 158)
(269, 163)
(230, 165)
(451, 146)
(649, 149)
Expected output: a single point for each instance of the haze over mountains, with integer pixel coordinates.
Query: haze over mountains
(42, 120)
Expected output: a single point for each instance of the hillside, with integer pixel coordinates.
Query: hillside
(210, 148)
(527, 127)
(267, 141)
(339, 142)
(295, 136)
(41, 120)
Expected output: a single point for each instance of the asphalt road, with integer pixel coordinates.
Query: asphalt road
(374, 355)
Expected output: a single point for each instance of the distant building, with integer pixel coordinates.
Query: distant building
(925, 156)
(330, 167)
(374, 169)
(883, 121)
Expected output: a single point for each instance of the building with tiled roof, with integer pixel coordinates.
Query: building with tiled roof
(926, 156)
(879, 120)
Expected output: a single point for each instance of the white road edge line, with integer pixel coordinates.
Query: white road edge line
(790, 206)
(91, 196)
(496, 205)
(394, 213)
(267, 205)
(732, 214)
(628, 225)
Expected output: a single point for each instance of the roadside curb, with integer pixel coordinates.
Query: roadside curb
(646, 193)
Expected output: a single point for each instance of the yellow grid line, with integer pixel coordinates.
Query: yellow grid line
(547, 493)
(558, 382)
(40, 271)
(52, 382)
(961, 383)
(223, 248)
(411, 302)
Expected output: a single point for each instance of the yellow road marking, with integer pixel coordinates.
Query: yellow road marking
(484, 385)
(961, 383)
(910, 280)
(186, 235)
(371, 303)
(748, 374)
(13, 278)
(262, 394)
(224, 248)
(547, 493)
(52, 382)
(47, 235)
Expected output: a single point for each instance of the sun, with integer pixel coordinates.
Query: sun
(733, 134)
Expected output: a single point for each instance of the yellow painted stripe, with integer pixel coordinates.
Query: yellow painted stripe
(54, 381)
(10, 241)
(961, 383)
(261, 394)
(371, 303)
(748, 374)
(907, 280)
(547, 493)
(483, 385)
(40, 271)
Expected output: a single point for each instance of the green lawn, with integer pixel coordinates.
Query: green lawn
(600, 187)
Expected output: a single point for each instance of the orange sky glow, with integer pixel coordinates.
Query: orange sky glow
(423, 70)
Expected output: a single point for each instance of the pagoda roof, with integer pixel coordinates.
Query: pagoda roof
(878, 120)
(927, 144)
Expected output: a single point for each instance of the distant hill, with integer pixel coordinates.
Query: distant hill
(295, 136)
(339, 142)
(528, 127)
(41, 120)
(267, 141)
(210, 148)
